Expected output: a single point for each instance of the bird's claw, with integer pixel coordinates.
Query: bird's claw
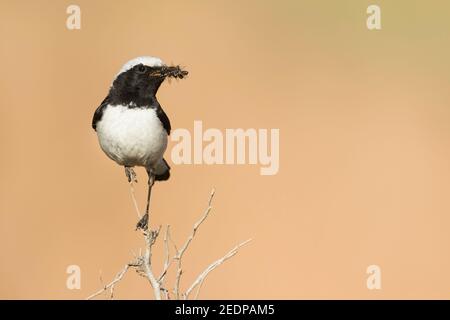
(131, 175)
(143, 223)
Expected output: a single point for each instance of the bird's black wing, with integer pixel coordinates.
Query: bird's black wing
(98, 114)
(164, 119)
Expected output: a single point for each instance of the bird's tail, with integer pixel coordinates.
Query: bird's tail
(162, 171)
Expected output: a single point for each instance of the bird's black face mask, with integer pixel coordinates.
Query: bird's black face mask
(138, 85)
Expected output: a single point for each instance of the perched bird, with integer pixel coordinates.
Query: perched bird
(131, 126)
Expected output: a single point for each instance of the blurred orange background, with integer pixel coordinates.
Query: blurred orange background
(364, 119)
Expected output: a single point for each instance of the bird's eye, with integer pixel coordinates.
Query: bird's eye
(141, 69)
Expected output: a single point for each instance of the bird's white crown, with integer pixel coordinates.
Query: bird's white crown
(145, 60)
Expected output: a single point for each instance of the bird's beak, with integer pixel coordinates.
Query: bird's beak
(170, 72)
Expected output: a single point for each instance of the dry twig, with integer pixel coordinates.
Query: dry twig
(201, 278)
(143, 261)
(111, 285)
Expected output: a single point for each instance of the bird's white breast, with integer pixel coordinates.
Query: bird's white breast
(132, 136)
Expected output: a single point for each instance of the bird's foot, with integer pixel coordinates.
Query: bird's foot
(143, 223)
(131, 175)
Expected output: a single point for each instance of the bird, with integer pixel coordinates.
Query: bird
(131, 126)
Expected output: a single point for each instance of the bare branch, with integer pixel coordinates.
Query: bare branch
(196, 226)
(167, 260)
(150, 239)
(180, 253)
(177, 282)
(201, 278)
(111, 285)
(166, 248)
(143, 260)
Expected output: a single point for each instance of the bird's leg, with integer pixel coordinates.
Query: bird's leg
(131, 175)
(151, 181)
(143, 223)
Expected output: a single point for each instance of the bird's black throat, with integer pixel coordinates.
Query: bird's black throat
(135, 90)
(137, 87)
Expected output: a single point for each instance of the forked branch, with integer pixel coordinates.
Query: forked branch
(143, 262)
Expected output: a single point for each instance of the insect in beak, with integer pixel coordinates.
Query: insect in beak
(170, 72)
